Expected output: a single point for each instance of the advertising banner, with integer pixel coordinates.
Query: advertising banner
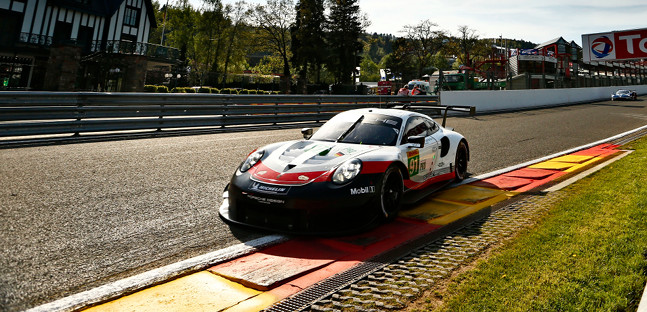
(615, 46)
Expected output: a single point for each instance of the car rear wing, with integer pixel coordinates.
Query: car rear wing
(441, 110)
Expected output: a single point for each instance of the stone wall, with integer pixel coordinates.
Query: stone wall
(134, 73)
(62, 68)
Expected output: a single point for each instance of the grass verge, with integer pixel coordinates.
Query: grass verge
(588, 253)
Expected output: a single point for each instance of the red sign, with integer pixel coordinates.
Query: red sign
(615, 46)
(631, 44)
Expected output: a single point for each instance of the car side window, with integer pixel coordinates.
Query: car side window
(416, 126)
(433, 127)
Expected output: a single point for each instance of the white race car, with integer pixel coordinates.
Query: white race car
(354, 172)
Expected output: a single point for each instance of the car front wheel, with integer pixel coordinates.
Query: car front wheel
(390, 193)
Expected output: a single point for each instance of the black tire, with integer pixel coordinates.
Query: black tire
(390, 193)
(460, 165)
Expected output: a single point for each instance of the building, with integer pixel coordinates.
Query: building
(558, 64)
(73, 45)
(548, 65)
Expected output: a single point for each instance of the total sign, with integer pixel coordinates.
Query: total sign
(615, 46)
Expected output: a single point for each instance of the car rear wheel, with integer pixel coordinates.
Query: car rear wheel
(390, 193)
(461, 161)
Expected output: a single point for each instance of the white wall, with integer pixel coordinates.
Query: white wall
(488, 101)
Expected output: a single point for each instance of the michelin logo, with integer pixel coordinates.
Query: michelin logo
(362, 190)
(268, 188)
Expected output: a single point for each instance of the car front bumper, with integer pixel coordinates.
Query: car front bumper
(316, 208)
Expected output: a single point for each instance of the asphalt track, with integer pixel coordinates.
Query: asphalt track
(78, 216)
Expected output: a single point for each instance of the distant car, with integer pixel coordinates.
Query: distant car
(419, 87)
(354, 172)
(624, 95)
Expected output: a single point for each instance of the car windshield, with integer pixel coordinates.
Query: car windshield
(370, 129)
(623, 92)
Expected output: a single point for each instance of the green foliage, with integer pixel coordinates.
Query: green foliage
(272, 23)
(204, 90)
(377, 46)
(401, 63)
(322, 41)
(369, 70)
(587, 254)
(308, 38)
(162, 89)
(150, 88)
(423, 41)
(189, 90)
(214, 90)
(345, 26)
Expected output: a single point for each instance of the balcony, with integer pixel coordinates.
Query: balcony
(33, 39)
(150, 50)
(153, 51)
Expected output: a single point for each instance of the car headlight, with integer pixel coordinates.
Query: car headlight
(251, 160)
(347, 171)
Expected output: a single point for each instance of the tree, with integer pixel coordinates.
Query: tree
(272, 22)
(155, 35)
(345, 26)
(181, 30)
(466, 42)
(237, 15)
(308, 42)
(401, 63)
(369, 70)
(209, 41)
(424, 42)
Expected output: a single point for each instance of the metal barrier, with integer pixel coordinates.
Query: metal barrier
(58, 113)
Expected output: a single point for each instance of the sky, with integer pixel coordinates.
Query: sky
(536, 21)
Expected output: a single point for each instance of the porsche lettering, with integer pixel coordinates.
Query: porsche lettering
(264, 200)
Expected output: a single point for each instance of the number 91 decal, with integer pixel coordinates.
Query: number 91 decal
(413, 159)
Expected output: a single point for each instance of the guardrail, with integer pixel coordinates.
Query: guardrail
(27, 114)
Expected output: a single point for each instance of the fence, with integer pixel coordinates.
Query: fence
(24, 115)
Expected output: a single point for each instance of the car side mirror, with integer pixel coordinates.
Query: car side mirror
(307, 133)
(416, 139)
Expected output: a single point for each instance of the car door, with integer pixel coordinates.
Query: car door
(420, 161)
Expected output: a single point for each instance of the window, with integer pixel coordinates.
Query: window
(418, 126)
(10, 24)
(84, 38)
(62, 32)
(132, 17)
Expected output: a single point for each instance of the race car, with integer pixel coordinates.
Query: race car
(355, 172)
(624, 95)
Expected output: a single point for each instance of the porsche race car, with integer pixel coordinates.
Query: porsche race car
(355, 172)
(624, 95)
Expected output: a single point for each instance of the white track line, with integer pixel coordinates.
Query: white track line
(583, 174)
(156, 276)
(538, 160)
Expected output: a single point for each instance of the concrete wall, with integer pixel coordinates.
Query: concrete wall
(491, 101)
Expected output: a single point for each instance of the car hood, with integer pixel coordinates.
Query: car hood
(301, 162)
